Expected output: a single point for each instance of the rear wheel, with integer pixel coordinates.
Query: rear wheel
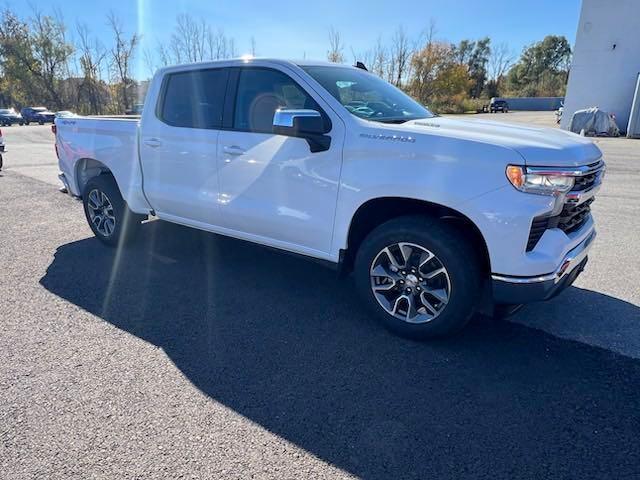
(107, 213)
(419, 276)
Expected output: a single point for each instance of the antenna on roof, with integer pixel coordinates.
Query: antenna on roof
(361, 66)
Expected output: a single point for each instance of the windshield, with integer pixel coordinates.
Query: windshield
(367, 96)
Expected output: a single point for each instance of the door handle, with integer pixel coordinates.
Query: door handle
(233, 150)
(152, 142)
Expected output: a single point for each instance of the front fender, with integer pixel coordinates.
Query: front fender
(441, 170)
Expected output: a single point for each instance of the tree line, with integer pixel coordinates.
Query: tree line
(454, 77)
(43, 61)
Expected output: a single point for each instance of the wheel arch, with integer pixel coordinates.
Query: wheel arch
(376, 211)
(86, 169)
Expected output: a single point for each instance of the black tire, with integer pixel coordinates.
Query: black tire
(27, 122)
(1, 163)
(40, 122)
(127, 223)
(452, 250)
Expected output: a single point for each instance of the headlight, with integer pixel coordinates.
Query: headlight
(539, 180)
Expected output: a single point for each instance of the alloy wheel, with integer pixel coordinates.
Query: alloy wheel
(101, 212)
(410, 282)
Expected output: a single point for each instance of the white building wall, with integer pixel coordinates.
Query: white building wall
(606, 59)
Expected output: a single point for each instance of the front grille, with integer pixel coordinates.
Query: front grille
(585, 182)
(588, 180)
(570, 219)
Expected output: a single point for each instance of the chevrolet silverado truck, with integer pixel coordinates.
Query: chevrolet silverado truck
(436, 218)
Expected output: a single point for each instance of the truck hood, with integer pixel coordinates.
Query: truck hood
(537, 145)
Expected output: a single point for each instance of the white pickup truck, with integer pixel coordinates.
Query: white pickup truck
(436, 217)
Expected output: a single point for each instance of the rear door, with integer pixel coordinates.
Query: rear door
(178, 145)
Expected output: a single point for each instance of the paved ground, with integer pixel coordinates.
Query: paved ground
(181, 358)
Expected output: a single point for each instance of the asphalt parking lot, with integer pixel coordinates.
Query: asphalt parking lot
(194, 356)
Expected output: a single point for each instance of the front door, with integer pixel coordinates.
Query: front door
(272, 186)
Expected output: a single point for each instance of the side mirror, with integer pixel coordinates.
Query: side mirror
(307, 124)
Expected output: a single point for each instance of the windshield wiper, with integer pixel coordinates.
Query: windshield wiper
(394, 120)
(400, 120)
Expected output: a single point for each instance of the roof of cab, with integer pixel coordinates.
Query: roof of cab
(248, 61)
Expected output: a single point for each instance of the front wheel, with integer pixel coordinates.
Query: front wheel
(419, 276)
(107, 213)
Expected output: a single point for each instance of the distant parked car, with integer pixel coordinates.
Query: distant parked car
(498, 106)
(8, 116)
(64, 114)
(39, 115)
(136, 110)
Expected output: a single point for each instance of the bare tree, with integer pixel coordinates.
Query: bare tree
(401, 52)
(428, 36)
(500, 60)
(92, 56)
(189, 39)
(379, 58)
(219, 46)
(149, 61)
(164, 56)
(335, 47)
(365, 57)
(121, 57)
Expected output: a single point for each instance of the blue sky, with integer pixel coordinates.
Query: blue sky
(293, 29)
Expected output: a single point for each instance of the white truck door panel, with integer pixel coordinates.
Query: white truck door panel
(273, 185)
(178, 146)
(180, 174)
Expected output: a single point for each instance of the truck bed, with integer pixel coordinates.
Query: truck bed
(88, 143)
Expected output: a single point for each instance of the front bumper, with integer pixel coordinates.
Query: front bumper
(516, 290)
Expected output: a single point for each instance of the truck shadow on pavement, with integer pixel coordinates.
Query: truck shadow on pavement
(283, 343)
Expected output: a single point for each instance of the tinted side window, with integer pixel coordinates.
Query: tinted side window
(194, 99)
(261, 92)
